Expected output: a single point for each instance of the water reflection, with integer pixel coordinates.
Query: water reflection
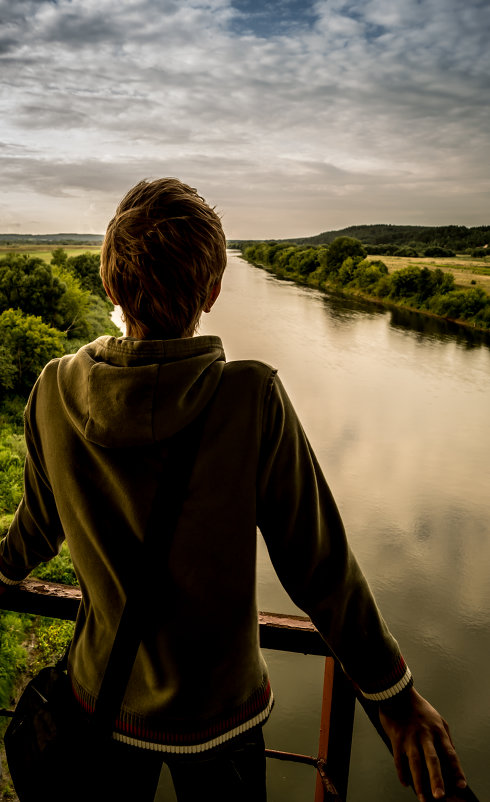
(344, 308)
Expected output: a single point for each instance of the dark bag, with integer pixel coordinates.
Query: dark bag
(54, 750)
(46, 734)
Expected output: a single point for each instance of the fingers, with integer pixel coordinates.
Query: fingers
(451, 764)
(401, 765)
(433, 766)
(428, 765)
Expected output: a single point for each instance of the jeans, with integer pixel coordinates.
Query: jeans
(233, 772)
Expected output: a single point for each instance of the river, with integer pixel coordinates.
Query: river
(397, 410)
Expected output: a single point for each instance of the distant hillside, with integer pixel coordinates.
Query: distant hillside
(51, 239)
(458, 238)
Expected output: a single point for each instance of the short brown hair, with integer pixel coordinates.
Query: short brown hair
(163, 252)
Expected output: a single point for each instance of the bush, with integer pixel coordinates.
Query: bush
(13, 628)
(480, 253)
(340, 249)
(436, 250)
(52, 639)
(12, 456)
(368, 274)
(28, 284)
(59, 569)
(405, 283)
(30, 344)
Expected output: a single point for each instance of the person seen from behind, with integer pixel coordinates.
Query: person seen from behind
(96, 426)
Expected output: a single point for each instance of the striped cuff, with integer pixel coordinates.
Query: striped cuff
(393, 690)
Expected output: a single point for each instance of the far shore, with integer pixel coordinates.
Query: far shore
(382, 302)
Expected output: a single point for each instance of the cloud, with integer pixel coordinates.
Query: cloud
(330, 102)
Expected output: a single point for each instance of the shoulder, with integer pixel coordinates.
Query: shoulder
(249, 369)
(250, 376)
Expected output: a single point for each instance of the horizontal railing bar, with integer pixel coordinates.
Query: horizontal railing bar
(289, 633)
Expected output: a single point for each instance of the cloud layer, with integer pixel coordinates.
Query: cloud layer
(292, 117)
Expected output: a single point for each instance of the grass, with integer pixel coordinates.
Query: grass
(43, 253)
(467, 271)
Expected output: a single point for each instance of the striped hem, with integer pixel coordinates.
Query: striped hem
(178, 737)
(403, 683)
(11, 582)
(198, 747)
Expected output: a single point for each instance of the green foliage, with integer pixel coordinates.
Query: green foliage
(12, 413)
(31, 344)
(436, 250)
(59, 569)
(12, 456)
(98, 319)
(73, 305)
(8, 371)
(406, 251)
(342, 248)
(28, 284)
(13, 657)
(59, 257)
(52, 639)
(86, 268)
(368, 275)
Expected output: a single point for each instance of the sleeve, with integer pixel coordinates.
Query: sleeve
(303, 530)
(35, 534)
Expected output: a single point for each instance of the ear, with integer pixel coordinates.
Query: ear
(215, 291)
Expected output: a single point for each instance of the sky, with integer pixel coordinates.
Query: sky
(291, 117)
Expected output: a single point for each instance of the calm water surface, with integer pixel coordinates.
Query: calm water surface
(398, 418)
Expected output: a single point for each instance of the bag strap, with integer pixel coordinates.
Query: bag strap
(173, 487)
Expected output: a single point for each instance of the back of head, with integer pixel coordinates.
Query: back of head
(163, 252)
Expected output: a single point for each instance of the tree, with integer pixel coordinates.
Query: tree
(73, 306)
(436, 250)
(340, 249)
(8, 371)
(307, 261)
(368, 274)
(30, 343)
(406, 250)
(86, 267)
(405, 283)
(59, 257)
(28, 284)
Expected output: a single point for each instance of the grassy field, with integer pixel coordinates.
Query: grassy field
(44, 251)
(467, 271)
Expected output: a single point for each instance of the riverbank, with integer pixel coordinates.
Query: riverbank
(413, 288)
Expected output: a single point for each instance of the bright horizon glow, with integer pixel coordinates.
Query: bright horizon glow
(291, 117)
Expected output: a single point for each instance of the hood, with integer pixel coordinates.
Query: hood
(121, 392)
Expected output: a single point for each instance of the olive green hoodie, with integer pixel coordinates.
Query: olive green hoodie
(95, 424)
